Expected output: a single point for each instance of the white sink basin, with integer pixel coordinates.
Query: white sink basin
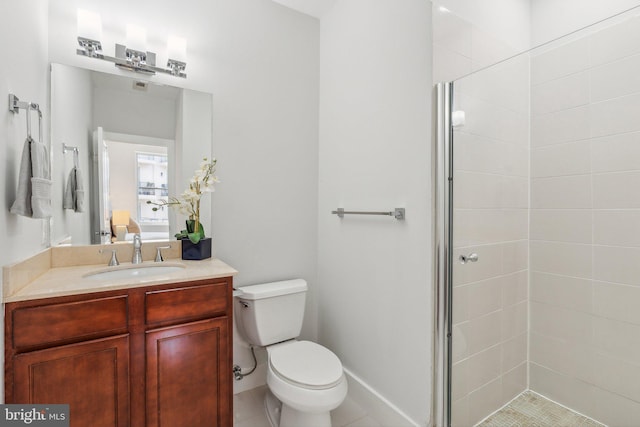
(134, 271)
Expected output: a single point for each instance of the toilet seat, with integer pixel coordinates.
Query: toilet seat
(306, 364)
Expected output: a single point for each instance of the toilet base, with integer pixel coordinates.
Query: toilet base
(281, 415)
(273, 408)
(293, 418)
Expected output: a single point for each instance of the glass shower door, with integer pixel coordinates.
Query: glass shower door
(541, 248)
(490, 140)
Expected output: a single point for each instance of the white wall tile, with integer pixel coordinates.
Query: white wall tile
(616, 264)
(616, 190)
(460, 304)
(477, 190)
(514, 320)
(478, 154)
(616, 153)
(569, 358)
(615, 410)
(505, 84)
(568, 259)
(484, 297)
(489, 264)
(560, 61)
(483, 226)
(562, 159)
(515, 288)
(617, 339)
(484, 332)
(483, 367)
(615, 79)
(515, 256)
(460, 379)
(514, 192)
(487, 49)
(571, 392)
(449, 65)
(484, 401)
(474, 153)
(616, 227)
(460, 345)
(514, 382)
(561, 94)
(617, 376)
(615, 42)
(568, 325)
(452, 33)
(514, 352)
(561, 126)
(460, 412)
(493, 121)
(565, 192)
(614, 116)
(562, 291)
(563, 225)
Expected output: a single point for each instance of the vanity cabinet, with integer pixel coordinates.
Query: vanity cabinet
(147, 356)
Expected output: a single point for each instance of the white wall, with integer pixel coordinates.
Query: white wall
(551, 19)
(375, 272)
(71, 124)
(25, 73)
(126, 110)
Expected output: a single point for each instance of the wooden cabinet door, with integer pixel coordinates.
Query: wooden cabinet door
(92, 377)
(189, 375)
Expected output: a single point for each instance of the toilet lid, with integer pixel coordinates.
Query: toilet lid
(307, 364)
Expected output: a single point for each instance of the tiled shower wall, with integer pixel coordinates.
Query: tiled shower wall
(491, 205)
(585, 224)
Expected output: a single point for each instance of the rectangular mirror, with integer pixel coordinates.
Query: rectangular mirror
(136, 142)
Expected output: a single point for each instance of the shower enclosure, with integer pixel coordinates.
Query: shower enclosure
(538, 235)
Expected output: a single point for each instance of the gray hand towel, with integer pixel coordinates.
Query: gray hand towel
(41, 186)
(74, 192)
(22, 204)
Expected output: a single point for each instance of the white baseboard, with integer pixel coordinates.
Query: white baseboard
(376, 405)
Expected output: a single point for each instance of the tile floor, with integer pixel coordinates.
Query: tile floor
(533, 410)
(249, 412)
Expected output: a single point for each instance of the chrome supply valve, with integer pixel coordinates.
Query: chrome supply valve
(137, 250)
(159, 257)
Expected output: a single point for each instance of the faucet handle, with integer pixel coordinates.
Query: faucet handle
(159, 257)
(114, 259)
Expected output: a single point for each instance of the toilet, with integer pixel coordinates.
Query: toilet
(305, 380)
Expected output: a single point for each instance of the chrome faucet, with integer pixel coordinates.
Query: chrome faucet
(137, 250)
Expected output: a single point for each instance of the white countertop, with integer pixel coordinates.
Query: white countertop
(63, 281)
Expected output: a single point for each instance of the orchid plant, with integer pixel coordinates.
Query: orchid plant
(188, 203)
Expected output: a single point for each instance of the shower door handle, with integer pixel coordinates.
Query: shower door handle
(472, 257)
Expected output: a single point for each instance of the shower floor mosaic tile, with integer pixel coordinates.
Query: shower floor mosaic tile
(532, 410)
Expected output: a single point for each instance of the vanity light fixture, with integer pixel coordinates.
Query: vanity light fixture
(133, 56)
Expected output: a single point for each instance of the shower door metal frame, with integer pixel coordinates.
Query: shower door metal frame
(443, 256)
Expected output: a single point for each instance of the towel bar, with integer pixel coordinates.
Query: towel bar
(397, 213)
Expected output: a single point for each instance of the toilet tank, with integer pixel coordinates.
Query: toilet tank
(269, 313)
